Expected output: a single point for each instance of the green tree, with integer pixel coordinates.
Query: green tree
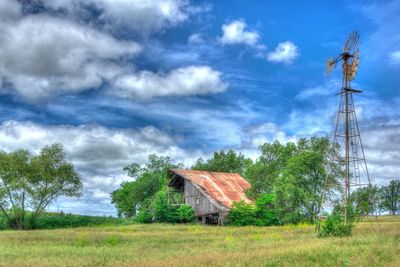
(224, 162)
(390, 197)
(34, 182)
(296, 174)
(268, 167)
(148, 180)
(365, 199)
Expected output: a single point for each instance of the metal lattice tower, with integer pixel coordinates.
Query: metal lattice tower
(347, 134)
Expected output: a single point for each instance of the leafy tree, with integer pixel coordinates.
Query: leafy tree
(148, 180)
(224, 162)
(365, 199)
(390, 197)
(296, 173)
(34, 182)
(263, 173)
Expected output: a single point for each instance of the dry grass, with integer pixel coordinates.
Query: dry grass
(373, 244)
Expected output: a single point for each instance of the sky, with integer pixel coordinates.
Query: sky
(117, 80)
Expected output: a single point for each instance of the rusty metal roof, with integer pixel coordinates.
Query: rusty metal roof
(226, 188)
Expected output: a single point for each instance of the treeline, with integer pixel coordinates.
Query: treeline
(57, 220)
(287, 182)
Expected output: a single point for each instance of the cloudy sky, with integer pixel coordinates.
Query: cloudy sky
(117, 80)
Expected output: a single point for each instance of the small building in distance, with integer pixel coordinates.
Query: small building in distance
(211, 194)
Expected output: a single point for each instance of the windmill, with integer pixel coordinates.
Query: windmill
(351, 156)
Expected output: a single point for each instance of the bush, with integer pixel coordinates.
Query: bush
(265, 210)
(263, 213)
(157, 209)
(186, 213)
(145, 215)
(242, 214)
(163, 212)
(335, 225)
(60, 220)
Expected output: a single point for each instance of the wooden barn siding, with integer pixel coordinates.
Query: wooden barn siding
(204, 206)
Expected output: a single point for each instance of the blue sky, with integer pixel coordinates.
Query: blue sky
(114, 81)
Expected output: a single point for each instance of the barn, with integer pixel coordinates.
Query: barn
(211, 194)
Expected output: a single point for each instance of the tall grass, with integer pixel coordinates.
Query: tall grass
(372, 244)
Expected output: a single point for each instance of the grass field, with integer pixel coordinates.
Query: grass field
(373, 244)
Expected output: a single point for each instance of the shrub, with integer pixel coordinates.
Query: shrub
(266, 213)
(163, 212)
(263, 213)
(242, 214)
(335, 225)
(145, 215)
(186, 213)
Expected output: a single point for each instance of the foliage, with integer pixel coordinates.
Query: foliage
(335, 224)
(224, 162)
(148, 180)
(157, 209)
(50, 220)
(263, 173)
(266, 212)
(365, 199)
(242, 214)
(145, 215)
(186, 213)
(390, 197)
(263, 213)
(33, 182)
(297, 174)
(163, 212)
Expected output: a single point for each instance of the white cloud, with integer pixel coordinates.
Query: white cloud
(142, 16)
(235, 33)
(43, 55)
(285, 52)
(195, 38)
(395, 57)
(191, 80)
(98, 153)
(330, 88)
(382, 153)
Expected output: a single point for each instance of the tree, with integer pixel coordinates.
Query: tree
(148, 180)
(34, 182)
(296, 174)
(224, 162)
(365, 199)
(263, 173)
(390, 197)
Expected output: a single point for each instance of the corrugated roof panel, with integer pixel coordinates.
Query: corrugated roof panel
(226, 188)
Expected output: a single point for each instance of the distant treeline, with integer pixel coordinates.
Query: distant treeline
(50, 220)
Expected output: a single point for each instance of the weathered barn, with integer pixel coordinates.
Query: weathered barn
(211, 194)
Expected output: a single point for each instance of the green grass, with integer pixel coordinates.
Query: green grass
(373, 244)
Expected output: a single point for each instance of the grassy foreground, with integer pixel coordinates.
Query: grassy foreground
(373, 244)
